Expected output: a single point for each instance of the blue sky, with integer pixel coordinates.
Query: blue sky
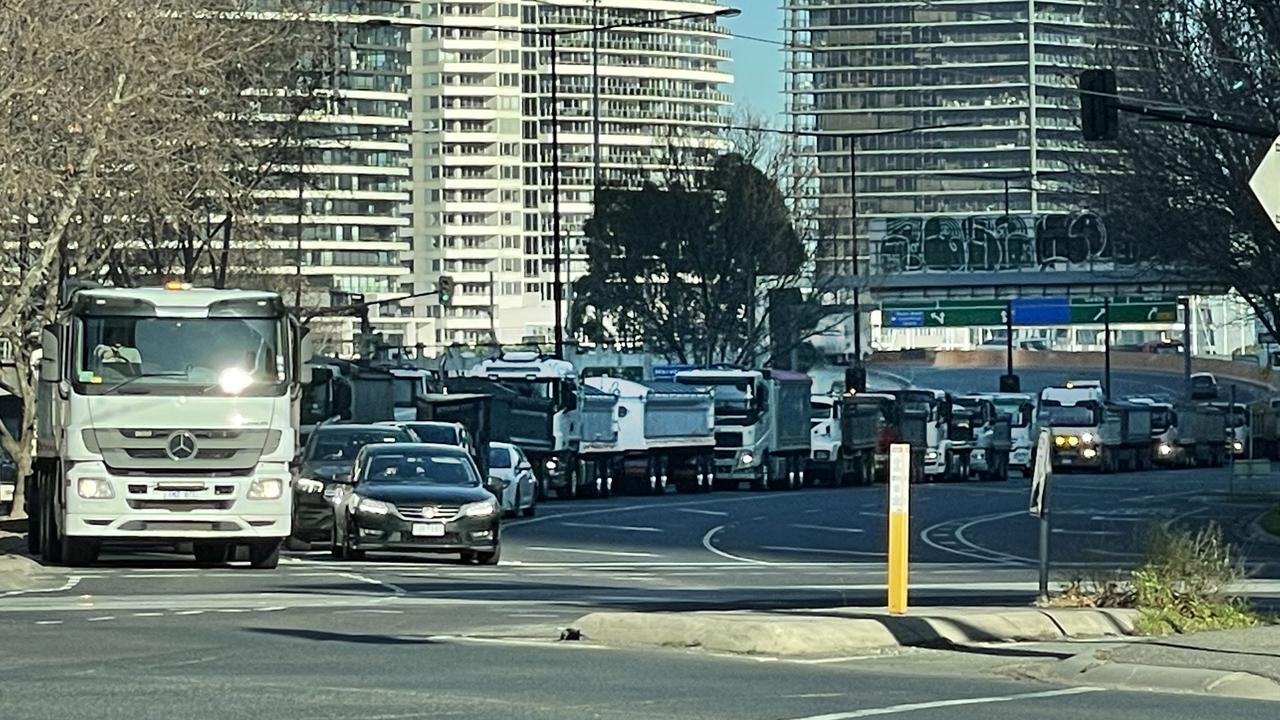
(757, 66)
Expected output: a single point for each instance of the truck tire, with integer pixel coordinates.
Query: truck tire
(762, 479)
(33, 519)
(78, 552)
(50, 541)
(265, 554)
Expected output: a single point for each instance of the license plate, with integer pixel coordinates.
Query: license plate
(178, 494)
(428, 530)
(6, 493)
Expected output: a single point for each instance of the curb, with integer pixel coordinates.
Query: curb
(1089, 669)
(802, 634)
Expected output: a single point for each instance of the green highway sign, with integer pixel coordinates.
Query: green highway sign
(1136, 309)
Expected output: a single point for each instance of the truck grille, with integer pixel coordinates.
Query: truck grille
(135, 451)
(728, 439)
(180, 505)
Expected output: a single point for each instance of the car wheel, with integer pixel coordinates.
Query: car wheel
(349, 552)
(529, 511)
(488, 558)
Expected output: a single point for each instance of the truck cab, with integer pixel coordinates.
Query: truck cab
(946, 438)
(824, 416)
(1091, 431)
(1021, 410)
(166, 415)
(1238, 426)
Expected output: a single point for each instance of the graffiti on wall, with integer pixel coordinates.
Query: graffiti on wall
(1074, 241)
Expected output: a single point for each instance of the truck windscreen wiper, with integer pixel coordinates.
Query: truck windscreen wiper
(127, 381)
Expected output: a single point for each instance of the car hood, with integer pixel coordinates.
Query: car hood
(424, 494)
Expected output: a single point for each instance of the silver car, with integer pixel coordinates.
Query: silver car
(519, 486)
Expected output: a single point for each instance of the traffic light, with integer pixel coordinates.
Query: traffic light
(444, 289)
(855, 378)
(1099, 108)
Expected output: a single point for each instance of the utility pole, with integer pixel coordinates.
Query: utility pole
(557, 285)
(853, 231)
(1032, 103)
(1106, 346)
(1186, 344)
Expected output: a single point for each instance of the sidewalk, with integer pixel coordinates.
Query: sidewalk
(18, 572)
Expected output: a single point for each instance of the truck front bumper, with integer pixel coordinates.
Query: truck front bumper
(737, 463)
(1020, 457)
(140, 508)
(1076, 458)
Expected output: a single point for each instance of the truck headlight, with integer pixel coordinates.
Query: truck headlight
(1073, 441)
(266, 489)
(370, 506)
(1089, 453)
(95, 489)
(930, 455)
(1237, 446)
(552, 464)
(746, 459)
(1086, 438)
(479, 509)
(1165, 449)
(309, 485)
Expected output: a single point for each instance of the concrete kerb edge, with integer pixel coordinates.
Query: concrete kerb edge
(1088, 669)
(807, 635)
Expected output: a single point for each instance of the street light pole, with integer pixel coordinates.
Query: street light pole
(853, 230)
(557, 289)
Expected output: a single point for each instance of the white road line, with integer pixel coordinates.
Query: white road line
(828, 528)
(611, 553)
(933, 705)
(707, 543)
(661, 507)
(48, 622)
(102, 618)
(148, 614)
(696, 511)
(396, 590)
(189, 612)
(626, 528)
(68, 585)
(821, 551)
(1065, 531)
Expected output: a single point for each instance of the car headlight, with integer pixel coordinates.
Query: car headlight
(747, 458)
(370, 506)
(266, 489)
(1086, 438)
(479, 509)
(308, 485)
(95, 489)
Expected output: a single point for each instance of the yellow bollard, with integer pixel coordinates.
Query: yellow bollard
(899, 532)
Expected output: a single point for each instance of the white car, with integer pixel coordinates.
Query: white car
(519, 486)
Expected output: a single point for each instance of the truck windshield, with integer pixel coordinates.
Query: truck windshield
(818, 411)
(140, 355)
(1070, 416)
(732, 400)
(1161, 420)
(1019, 413)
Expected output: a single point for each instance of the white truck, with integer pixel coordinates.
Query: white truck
(844, 439)
(1092, 432)
(577, 416)
(663, 434)
(762, 425)
(928, 421)
(1021, 409)
(166, 416)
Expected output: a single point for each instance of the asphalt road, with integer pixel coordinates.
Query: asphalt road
(147, 635)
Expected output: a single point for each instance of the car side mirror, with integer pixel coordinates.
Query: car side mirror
(344, 478)
(524, 466)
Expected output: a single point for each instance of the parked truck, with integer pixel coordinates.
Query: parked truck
(1021, 410)
(1186, 435)
(992, 437)
(844, 439)
(929, 422)
(662, 434)
(1092, 432)
(762, 427)
(166, 415)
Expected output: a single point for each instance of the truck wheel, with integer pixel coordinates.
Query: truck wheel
(34, 527)
(78, 552)
(50, 541)
(264, 555)
(211, 553)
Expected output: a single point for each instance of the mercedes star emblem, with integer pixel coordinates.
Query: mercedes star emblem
(428, 512)
(181, 445)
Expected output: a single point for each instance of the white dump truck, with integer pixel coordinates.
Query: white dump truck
(166, 416)
(1092, 432)
(663, 434)
(762, 424)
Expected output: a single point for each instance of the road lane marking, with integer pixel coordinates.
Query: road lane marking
(821, 551)
(626, 528)
(710, 537)
(935, 704)
(396, 590)
(48, 622)
(68, 585)
(828, 528)
(611, 553)
(1065, 531)
(102, 618)
(696, 511)
(658, 506)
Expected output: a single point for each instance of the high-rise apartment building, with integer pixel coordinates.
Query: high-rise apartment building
(482, 167)
(961, 71)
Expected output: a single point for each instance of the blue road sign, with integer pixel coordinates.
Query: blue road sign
(904, 318)
(1041, 311)
(667, 373)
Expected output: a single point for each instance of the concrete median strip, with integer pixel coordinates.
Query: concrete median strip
(1094, 669)
(844, 630)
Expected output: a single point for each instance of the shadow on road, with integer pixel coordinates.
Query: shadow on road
(326, 636)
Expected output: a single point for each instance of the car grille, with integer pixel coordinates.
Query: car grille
(429, 512)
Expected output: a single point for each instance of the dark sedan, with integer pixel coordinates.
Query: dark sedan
(325, 473)
(418, 498)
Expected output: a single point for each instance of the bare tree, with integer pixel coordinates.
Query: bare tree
(1179, 193)
(124, 117)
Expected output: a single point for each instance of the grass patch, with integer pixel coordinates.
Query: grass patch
(1182, 585)
(1271, 521)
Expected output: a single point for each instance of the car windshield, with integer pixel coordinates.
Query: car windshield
(435, 434)
(499, 457)
(419, 468)
(180, 355)
(342, 445)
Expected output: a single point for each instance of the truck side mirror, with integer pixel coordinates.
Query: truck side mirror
(306, 350)
(50, 352)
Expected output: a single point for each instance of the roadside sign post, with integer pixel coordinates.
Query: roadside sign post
(899, 534)
(1040, 504)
